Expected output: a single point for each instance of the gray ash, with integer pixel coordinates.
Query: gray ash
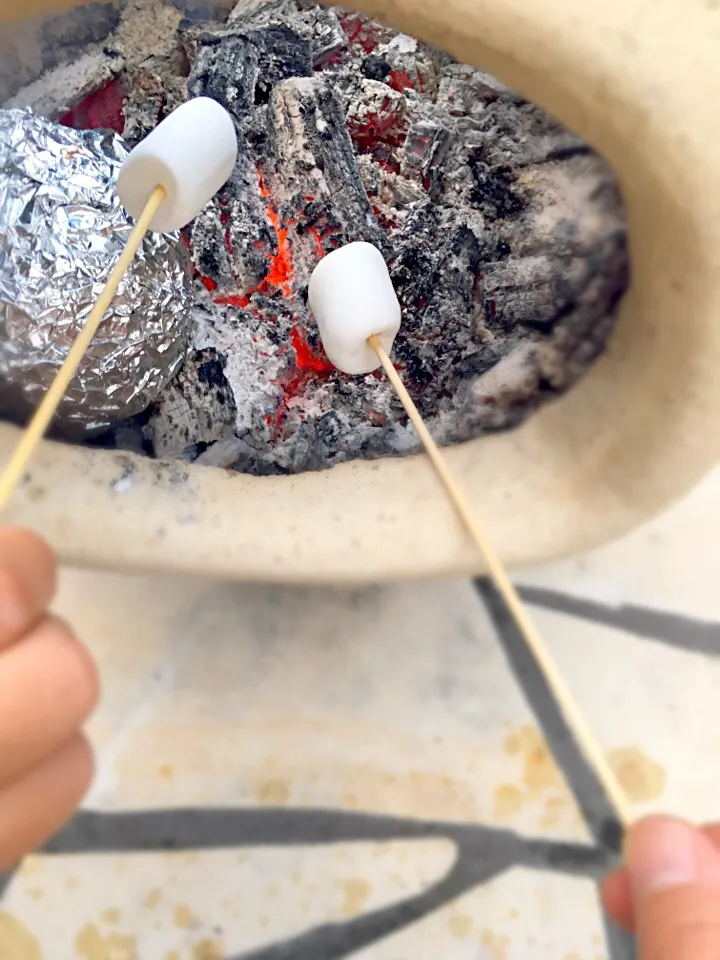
(504, 235)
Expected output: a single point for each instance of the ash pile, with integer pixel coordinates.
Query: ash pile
(504, 235)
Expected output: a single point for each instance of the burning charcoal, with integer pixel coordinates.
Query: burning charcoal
(376, 119)
(314, 174)
(392, 197)
(231, 239)
(496, 192)
(196, 410)
(425, 150)
(531, 291)
(143, 108)
(464, 91)
(516, 135)
(364, 34)
(328, 37)
(375, 68)
(260, 11)
(283, 52)
(227, 72)
(411, 65)
(240, 67)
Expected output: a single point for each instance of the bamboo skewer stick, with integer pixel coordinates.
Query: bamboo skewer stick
(35, 431)
(591, 748)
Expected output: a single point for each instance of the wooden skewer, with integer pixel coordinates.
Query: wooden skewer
(42, 417)
(592, 749)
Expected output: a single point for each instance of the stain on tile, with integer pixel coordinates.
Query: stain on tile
(507, 802)
(90, 944)
(16, 941)
(355, 893)
(183, 917)
(496, 944)
(274, 793)
(555, 809)
(642, 778)
(540, 772)
(207, 950)
(152, 899)
(461, 925)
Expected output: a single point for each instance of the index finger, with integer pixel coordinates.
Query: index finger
(27, 582)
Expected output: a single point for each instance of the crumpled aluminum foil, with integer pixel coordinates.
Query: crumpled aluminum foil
(61, 231)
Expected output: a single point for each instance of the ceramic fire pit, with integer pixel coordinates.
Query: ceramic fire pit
(636, 81)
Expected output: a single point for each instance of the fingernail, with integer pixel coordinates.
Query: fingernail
(661, 853)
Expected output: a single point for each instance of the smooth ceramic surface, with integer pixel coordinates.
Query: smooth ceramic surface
(635, 79)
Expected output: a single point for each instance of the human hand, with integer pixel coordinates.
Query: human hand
(48, 686)
(669, 891)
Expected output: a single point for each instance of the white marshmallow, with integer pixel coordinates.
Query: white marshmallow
(352, 297)
(191, 154)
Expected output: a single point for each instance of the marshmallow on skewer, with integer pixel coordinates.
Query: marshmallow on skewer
(352, 297)
(191, 154)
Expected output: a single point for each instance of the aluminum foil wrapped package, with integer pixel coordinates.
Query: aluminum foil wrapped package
(61, 231)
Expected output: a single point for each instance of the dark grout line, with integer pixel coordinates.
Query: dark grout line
(595, 806)
(671, 629)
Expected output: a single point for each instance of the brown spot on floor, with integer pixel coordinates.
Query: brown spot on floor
(111, 916)
(166, 771)
(16, 941)
(355, 893)
(461, 924)
(642, 778)
(555, 808)
(496, 945)
(274, 793)
(507, 802)
(540, 771)
(207, 950)
(153, 899)
(91, 945)
(183, 917)
(541, 781)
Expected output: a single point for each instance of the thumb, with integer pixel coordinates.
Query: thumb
(675, 882)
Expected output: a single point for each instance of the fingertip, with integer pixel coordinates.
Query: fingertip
(79, 761)
(36, 807)
(616, 897)
(28, 579)
(49, 685)
(79, 670)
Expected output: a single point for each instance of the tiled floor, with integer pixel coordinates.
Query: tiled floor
(321, 774)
